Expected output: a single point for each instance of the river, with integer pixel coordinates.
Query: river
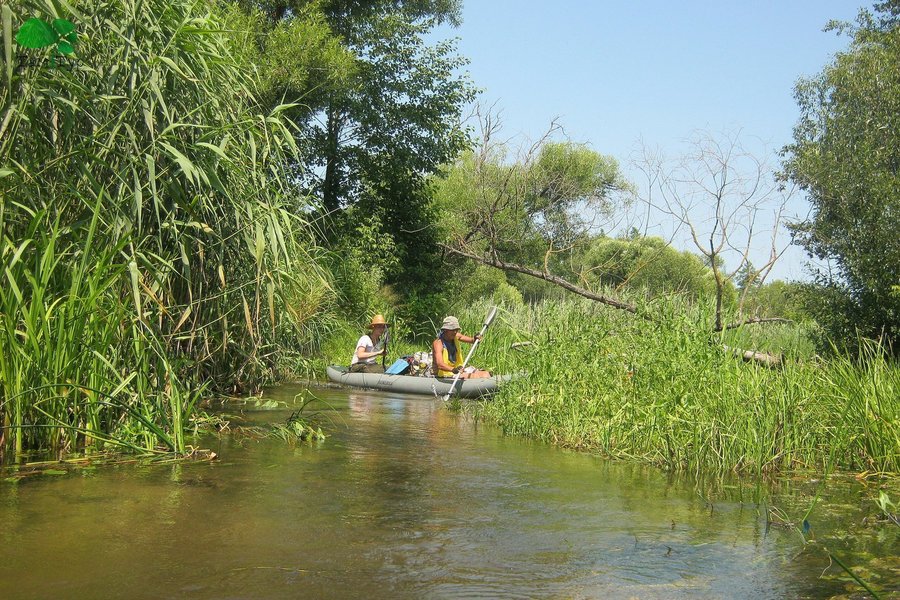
(405, 499)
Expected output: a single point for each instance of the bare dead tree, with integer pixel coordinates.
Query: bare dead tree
(718, 192)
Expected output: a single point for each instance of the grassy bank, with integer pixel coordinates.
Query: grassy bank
(662, 391)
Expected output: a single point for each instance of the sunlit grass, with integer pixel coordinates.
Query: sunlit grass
(663, 391)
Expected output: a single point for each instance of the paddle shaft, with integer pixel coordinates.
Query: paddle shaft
(471, 352)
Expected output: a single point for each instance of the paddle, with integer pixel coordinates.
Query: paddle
(478, 339)
(384, 347)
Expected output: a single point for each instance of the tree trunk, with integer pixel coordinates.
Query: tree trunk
(331, 184)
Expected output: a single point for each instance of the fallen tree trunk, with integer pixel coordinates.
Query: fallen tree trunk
(766, 359)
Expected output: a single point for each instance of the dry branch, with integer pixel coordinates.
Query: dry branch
(499, 264)
(753, 321)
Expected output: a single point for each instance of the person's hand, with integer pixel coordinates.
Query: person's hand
(477, 337)
(455, 370)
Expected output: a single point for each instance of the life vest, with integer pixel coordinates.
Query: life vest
(458, 362)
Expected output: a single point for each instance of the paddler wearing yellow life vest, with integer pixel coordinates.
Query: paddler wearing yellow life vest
(447, 355)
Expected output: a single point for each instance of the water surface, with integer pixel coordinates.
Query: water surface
(405, 499)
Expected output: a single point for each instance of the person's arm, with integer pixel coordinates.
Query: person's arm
(437, 353)
(467, 339)
(361, 353)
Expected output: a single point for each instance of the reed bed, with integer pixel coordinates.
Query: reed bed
(662, 391)
(150, 241)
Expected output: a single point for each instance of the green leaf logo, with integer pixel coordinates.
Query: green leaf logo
(37, 33)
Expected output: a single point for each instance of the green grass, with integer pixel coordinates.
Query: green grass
(662, 391)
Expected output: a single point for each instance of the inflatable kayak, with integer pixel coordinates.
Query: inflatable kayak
(410, 384)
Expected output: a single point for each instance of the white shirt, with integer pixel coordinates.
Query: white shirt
(369, 346)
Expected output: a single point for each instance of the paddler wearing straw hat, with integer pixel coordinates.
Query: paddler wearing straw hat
(367, 348)
(447, 356)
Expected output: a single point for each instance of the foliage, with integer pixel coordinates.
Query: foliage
(519, 207)
(528, 211)
(359, 265)
(384, 118)
(845, 154)
(148, 235)
(651, 265)
(298, 59)
(778, 298)
(488, 283)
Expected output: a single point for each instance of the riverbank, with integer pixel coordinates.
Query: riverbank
(663, 392)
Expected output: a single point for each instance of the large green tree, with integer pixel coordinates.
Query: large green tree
(530, 215)
(370, 141)
(846, 156)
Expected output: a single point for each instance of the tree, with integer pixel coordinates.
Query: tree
(650, 264)
(372, 141)
(526, 216)
(720, 193)
(846, 156)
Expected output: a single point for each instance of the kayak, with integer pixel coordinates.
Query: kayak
(411, 384)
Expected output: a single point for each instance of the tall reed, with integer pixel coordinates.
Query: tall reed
(151, 241)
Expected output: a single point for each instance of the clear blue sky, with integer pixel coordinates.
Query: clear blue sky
(617, 72)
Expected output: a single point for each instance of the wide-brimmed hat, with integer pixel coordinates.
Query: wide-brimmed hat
(450, 323)
(378, 320)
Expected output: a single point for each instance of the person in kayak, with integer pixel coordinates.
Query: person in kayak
(447, 356)
(367, 348)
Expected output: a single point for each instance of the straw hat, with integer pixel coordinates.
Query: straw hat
(450, 323)
(378, 320)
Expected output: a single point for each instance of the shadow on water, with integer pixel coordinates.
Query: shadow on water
(407, 500)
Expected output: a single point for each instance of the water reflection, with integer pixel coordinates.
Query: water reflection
(403, 500)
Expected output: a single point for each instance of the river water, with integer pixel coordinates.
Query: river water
(406, 499)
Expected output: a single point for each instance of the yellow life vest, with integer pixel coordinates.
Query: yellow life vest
(446, 356)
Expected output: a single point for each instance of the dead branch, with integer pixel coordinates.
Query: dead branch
(772, 361)
(499, 264)
(753, 321)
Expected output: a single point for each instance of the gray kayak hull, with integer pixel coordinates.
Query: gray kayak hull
(407, 384)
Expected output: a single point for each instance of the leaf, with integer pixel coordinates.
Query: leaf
(218, 151)
(65, 47)
(247, 317)
(184, 317)
(63, 26)
(35, 33)
(6, 17)
(6, 173)
(135, 287)
(187, 167)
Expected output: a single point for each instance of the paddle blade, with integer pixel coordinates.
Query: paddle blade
(490, 316)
